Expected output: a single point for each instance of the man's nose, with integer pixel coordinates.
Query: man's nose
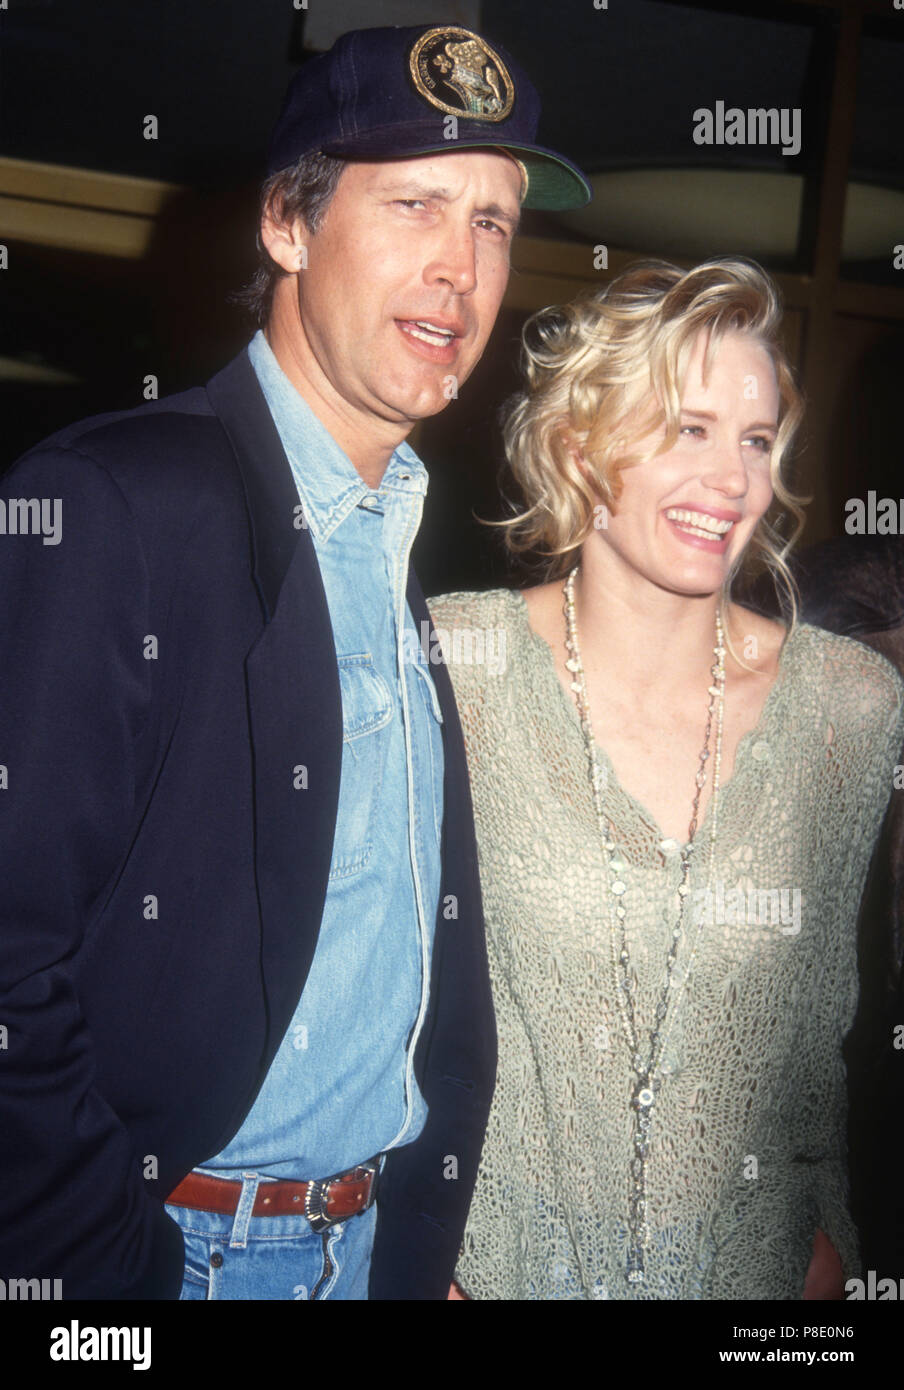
(454, 261)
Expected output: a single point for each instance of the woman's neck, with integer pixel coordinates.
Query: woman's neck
(637, 636)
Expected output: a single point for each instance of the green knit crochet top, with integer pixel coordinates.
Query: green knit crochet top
(747, 1151)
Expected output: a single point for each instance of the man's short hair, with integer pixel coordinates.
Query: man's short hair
(303, 190)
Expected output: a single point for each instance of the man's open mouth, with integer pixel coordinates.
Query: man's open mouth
(427, 332)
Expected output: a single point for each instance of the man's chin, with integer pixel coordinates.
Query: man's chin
(424, 406)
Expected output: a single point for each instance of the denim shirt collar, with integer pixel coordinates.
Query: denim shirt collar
(331, 490)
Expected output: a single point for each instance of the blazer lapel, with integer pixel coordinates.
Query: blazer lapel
(294, 701)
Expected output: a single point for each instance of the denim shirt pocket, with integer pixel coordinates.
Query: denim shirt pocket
(366, 714)
(436, 740)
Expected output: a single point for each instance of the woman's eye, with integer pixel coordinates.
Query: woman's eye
(762, 443)
(692, 429)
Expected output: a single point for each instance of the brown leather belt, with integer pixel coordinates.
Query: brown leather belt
(323, 1202)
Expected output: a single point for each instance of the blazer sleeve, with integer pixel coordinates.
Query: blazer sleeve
(74, 696)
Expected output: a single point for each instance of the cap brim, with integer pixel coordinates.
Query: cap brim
(554, 183)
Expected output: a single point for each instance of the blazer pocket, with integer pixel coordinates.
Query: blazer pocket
(366, 714)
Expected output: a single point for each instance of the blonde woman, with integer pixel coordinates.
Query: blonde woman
(676, 802)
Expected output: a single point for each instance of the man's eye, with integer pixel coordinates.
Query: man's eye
(492, 226)
(411, 202)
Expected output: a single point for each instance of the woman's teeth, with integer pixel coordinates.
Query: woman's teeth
(699, 523)
(428, 332)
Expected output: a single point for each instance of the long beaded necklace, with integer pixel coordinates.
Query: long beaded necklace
(646, 1069)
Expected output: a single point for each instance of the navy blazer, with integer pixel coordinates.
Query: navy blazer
(166, 668)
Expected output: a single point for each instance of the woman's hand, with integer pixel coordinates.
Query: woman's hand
(825, 1277)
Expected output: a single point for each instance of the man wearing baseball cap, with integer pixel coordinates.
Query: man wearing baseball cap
(250, 1039)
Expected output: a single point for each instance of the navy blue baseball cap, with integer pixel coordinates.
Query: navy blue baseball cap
(394, 93)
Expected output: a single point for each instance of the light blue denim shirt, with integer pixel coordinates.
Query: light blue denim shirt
(341, 1087)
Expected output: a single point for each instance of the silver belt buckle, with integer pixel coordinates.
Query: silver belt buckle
(315, 1205)
(317, 1195)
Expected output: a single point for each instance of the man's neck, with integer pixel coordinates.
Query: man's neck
(369, 446)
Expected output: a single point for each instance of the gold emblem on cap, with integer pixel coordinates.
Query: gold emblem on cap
(458, 72)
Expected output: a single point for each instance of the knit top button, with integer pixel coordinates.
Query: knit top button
(761, 750)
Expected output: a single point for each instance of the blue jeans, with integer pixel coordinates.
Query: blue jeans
(272, 1257)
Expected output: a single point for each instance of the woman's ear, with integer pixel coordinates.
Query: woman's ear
(581, 463)
(602, 507)
(575, 448)
(568, 441)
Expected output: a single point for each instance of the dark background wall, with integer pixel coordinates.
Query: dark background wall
(81, 325)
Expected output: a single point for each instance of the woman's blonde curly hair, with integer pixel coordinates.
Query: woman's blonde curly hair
(608, 369)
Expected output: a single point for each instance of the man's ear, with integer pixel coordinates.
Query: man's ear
(286, 243)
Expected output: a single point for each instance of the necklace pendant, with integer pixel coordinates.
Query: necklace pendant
(643, 1097)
